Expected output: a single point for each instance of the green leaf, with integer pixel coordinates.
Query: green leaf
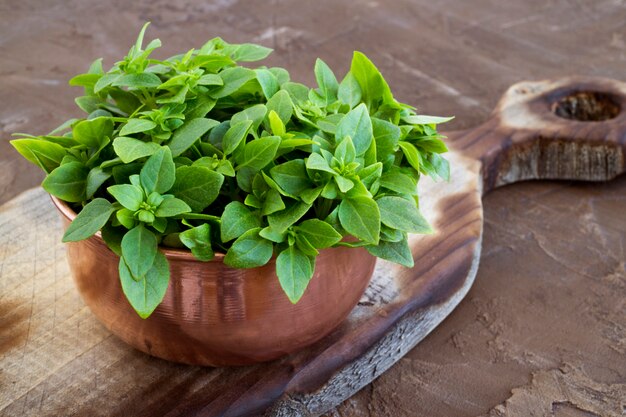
(233, 79)
(96, 177)
(277, 125)
(350, 91)
(255, 113)
(373, 85)
(260, 152)
(90, 219)
(93, 133)
(426, 120)
(387, 136)
(189, 133)
(126, 218)
(139, 248)
(171, 207)
(131, 149)
(281, 220)
(398, 252)
(249, 52)
(326, 81)
(411, 153)
(40, 152)
(343, 183)
(358, 126)
(236, 220)
(146, 293)
(346, 151)
(399, 213)
(112, 236)
(130, 196)
(294, 272)
(159, 172)
(272, 203)
(283, 106)
(267, 81)
(137, 126)
(317, 162)
(440, 165)
(319, 233)
(249, 250)
(234, 135)
(197, 186)
(67, 182)
(291, 176)
(360, 217)
(198, 239)
(398, 182)
(137, 81)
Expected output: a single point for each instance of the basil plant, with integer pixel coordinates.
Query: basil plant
(198, 152)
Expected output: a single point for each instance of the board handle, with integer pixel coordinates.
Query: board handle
(567, 128)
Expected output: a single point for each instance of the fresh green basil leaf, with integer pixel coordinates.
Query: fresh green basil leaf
(294, 272)
(318, 163)
(159, 172)
(411, 154)
(249, 52)
(139, 249)
(126, 218)
(147, 292)
(197, 186)
(138, 81)
(343, 183)
(291, 176)
(93, 133)
(129, 196)
(96, 177)
(112, 236)
(387, 136)
(90, 219)
(260, 152)
(319, 233)
(346, 151)
(133, 126)
(374, 88)
(189, 133)
(326, 81)
(131, 149)
(277, 125)
(171, 207)
(398, 252)
(350, 91)
(283, 106)
(358, 126)
(236, 220)
(255, 113)
(399, 213)
(233, 79)
(67, 182)
(272, 203)
(198, 240)
(267, 80)
(360, 217)
(249, 251)
(426, 120)
(440, 165)
(398, 182)
(281, 220)
(235, 134)
(45, 154)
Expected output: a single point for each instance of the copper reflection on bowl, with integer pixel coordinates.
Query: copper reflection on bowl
(216, 315)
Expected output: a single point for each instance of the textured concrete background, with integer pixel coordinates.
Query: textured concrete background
(543, 331)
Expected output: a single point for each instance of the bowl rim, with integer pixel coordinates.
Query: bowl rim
(171, 253)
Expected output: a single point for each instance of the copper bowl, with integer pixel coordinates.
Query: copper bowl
(216, 315)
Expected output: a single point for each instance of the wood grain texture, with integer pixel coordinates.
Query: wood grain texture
(552, 276)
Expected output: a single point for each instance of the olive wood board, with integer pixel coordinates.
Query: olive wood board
(57, 359)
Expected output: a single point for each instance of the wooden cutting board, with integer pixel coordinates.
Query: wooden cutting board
(57, 360)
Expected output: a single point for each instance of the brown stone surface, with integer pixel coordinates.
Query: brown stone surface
(543, 330)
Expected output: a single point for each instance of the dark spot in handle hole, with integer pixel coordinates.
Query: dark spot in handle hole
(587, 106)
